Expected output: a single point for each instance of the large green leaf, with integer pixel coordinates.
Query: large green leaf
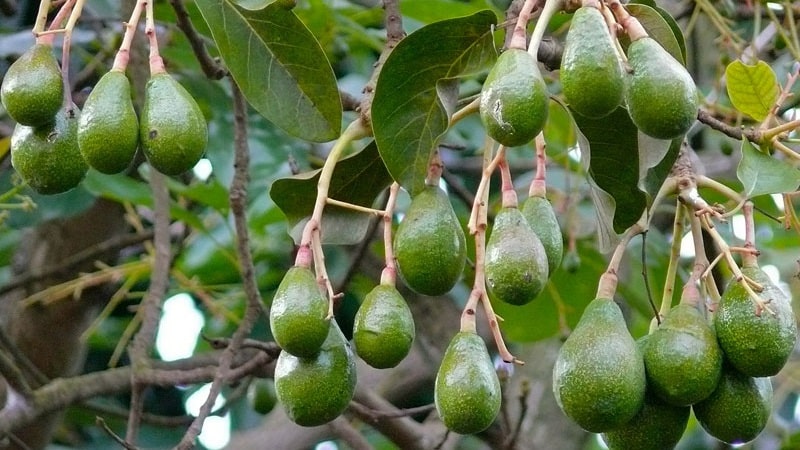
(564, 298)
(357, 179)
(753, 89)
(644, 10)
(610, 152)
(279, 66)
(414, 94)
(762, 174)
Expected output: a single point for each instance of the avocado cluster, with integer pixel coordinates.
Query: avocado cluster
(54, 143)
(639, 394)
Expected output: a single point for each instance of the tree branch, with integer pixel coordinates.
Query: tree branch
(734, 132)
(211, 67)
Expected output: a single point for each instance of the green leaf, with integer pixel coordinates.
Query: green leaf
(357, 179)
(753, 89)
(610, 152)
(762, 174)
(568, 292)
(279, 66)
(656, 171)
(409, 113)
(427, 11)
(655, 28)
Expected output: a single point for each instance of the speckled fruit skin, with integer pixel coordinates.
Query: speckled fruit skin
(383, 329)
(514, 101)
(682, 358)
(657, 426)
(467, 390)
(172, 129)
(297, 316)
(314, 391)
(261, 395)
(661, 95)
(47, 157)
(108, 129)
(756, 345)
(591, 74)
(429, 244)
(599, 378)
(738, 409)
(516, 262)
(542, 219)
(33, 90)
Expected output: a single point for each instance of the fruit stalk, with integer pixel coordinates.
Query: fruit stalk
(549, 9)
(156, 63)
(123, 54)
(482, 193)
(539, 184)
(607, 285)
(749, 258)
(509, 195)
(519, 35)
(389, 274)
(41, 19)
(630, 24)
(672, 267)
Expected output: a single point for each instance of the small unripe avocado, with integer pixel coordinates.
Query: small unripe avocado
(383, 329)
(514, 101)
(599, 378)
(661, 95)
(738, 409)
(298, 314)
(108, 130)
(261, 395)
(542, 219)
(591, 73)
(682, 357)
(33, 90)
(516, 263)
(756, 345)
(657, 426)
(429, 245)
(172, 129)
(316, 390)
(47, 157)
(467, 390)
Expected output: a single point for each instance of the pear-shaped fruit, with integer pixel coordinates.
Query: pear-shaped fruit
(591, 73)
(316, 390)
(757, 345)
(383, 330)
(661, 95)
(33, 90)
(542, 220)
(599, 377)
(108, 130)
(47, 157)
(514, 100)
(429, 245)
(261, 395)
(467, 390)
(657, 426)
(682, 357)
(298, 315)
(516, 262)
(738, 409)
(172, 130)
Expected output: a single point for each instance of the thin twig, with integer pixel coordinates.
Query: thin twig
(347, 433)
(737, 133)
(102, 424)
(13, 376)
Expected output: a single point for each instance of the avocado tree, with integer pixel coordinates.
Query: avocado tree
(418, 224)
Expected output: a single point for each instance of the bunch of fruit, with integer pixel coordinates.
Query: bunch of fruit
(54, 143)
(639, 394)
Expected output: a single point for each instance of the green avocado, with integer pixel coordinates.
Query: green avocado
(316, 390)
(383, 329)
(599, 377)
(172, 129)
(591, 73)
(298, 314)
(467, 390)
(542, 219)
(516, 262)
(657, 426)
(47, 157)
(756, 345)
(33, 89)
(682, 357)
(108, 130)
(514, 101)
(429, 244)
(661, 96)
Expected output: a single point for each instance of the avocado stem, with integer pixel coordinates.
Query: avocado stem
(519, 36)
(701, 263)
(41, 19)
(482, 192)
(468, 109)
(156, 63)
(548, 11)
(672, 266)
(123, 54)
(614, 29)
(607, 286)
(389, 274)
(77, 8)
(509, 195)
(750, 255)
(538, 186)
(629, 23)
(435, 169)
